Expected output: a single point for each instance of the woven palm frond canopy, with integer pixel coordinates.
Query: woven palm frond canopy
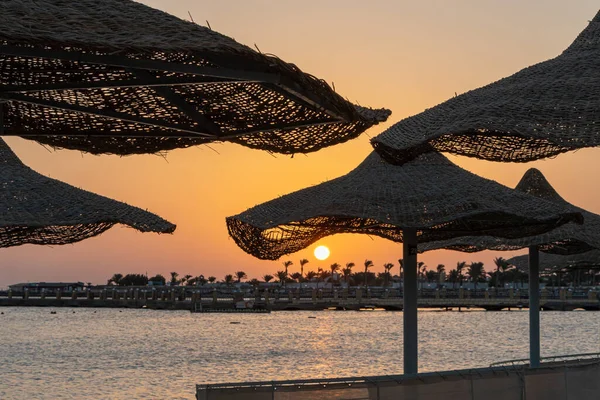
(116, 76)
(40, 210)
(430, 194)
(554, 262)
(540, 111)
(567, 239)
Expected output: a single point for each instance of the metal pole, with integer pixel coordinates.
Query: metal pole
(534, 307)
(2, 117)
(410, 301)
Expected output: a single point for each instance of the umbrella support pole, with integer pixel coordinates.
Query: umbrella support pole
(410, 301)
(534, 307)
(2, 117)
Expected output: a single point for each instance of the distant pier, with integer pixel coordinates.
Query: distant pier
(313, 300)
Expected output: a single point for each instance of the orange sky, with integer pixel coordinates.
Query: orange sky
(406, 56)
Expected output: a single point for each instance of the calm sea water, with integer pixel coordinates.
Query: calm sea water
(147, 354)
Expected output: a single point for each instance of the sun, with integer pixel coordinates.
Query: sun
(322, 252)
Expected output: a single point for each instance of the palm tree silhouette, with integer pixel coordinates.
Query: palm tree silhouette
(475, 272)
(322, 275)
(281, 276)
(267, 278)
(460, 265)
(500, 262)
(400, 266)
(441, 268)
(421, 268)
(347, 271)
(212, 279)
(174, 276)
(368, 264)
(453, 277)
(185, 279)
(297, 276)
(228, 280)
(310, 275)
(387, 267)
(334, 267)
(503, 270)
(240, 275)
(303, 262)
(116, 279)
(287, 264)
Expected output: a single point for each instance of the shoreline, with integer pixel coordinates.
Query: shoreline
(302, 304)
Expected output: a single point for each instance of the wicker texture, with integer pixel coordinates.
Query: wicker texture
(566, 239)
(554, 262)
(40, 210)
(541, 111)
(431, 194)
(84, 74)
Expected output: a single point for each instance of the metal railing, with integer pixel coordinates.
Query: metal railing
(506, 379)
(570, 358)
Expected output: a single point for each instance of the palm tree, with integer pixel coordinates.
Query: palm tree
(310, 275)
(116, 279)
(460, 265)
(430, 276)
(334, 268)
(267, 278)
(228, 279)
(401, 266)
(475, 272)
(368, 264)
(281, 276)
(212, 279)
(499, 261)
(201, 280)
(387, 267)
(347, 271)
(254, 282)
(421, 268)
(297, 276)
(174, 276)
(323, 275)
(503, 269)
(441, 268)
(453, 277)
(186, 278)
(240, 275)
(287, 264)
(303, 262)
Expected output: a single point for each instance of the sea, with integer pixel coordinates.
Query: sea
(85, 353)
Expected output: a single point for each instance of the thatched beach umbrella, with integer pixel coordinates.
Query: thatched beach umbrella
(427, 199)
(116, 76)
(40, 210)
(540, 111)
(566, 239)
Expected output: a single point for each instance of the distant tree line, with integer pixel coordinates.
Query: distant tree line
(336, 274)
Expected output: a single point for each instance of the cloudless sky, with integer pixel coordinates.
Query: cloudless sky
(403, 55)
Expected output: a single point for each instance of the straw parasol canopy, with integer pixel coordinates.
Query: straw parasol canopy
(40, 210)
(430, 194)
(567, 239)
(116, 76)
(554, 262)
(540, 111)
